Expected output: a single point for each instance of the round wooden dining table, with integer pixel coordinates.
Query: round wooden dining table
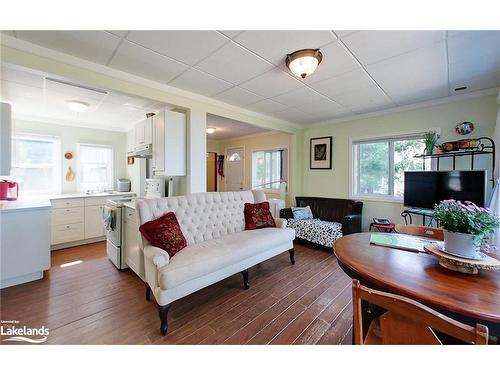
(467, 298)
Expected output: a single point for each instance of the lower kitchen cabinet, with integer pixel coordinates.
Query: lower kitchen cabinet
(94, 226)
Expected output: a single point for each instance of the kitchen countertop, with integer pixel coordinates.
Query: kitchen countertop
(43, 201)
(25, 204)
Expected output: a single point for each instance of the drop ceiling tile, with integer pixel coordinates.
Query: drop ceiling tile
(415, 76)
(368, 99)
(372, 46)
(347, 82)
(11, 90)
(120, 33)
(298, 97)
(272, 83)
(323, 107)
(234, 64)
(91, 45)
(336, 61)
(483, 69)
(231, 33)
(187, 46)
(140, 61)
(238, 96)
(275, 45)
(267, 106)
(200, 83)
(343, 33)
(21, 76)
(293, 115)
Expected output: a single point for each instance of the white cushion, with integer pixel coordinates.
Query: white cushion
(205, 257)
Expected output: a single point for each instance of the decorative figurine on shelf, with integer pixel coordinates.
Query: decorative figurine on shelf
(430, 140)
(465, 128)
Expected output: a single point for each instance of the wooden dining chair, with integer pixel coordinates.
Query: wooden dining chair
(420, 230)
(407, 322)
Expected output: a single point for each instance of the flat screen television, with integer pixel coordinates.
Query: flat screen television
(425, 189)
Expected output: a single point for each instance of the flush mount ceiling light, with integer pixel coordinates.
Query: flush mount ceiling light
(211, 130)
(77, 106)
(304, 62)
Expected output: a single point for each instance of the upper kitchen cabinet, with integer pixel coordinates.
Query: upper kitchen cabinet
(144, 132)
(169, 144)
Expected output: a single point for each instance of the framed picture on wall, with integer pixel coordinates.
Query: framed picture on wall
(320, 153)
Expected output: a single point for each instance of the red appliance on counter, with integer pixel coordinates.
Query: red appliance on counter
(9, 190)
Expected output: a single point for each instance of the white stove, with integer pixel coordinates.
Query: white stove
(114, 232)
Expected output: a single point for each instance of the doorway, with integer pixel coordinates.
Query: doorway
(211, 171)
(235, 170)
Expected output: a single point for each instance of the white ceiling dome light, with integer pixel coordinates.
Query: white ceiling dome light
(211, 130)
(77, 106)
(304, 62)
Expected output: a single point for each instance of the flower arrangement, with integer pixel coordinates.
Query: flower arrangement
(467, 218)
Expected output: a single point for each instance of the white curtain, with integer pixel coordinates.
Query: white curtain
(495, 199)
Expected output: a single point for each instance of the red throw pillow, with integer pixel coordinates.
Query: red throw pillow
(257, 215)
(164, 233)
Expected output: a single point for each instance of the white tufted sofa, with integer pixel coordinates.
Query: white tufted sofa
(218, 245)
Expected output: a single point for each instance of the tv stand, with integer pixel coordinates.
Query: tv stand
(424, 212)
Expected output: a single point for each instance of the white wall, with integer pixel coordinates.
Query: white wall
(70, 136)
(335, 182)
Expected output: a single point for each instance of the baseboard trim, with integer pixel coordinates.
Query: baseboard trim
(65, 245)
(21, 279)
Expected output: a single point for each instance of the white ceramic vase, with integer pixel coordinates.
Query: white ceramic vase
(461, 244)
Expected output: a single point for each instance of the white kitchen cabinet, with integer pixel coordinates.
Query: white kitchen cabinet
(144, 132)
(94, 226)
(133, 253)
(67, 233)
(69, 215)
(169, 147)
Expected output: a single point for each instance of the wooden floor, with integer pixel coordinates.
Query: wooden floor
(94, 303)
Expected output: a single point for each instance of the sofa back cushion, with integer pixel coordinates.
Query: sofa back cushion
(330, 209)
(202, 216)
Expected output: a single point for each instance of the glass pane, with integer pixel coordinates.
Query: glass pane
(374, 168)
(95, 170)
(266, 169)
(31, 151)
(404, 160)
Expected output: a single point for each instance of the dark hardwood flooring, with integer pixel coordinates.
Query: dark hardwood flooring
(94, 303)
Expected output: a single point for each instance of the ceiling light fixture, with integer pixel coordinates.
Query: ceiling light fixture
(211, 130)
(77, 106)
(304, 62)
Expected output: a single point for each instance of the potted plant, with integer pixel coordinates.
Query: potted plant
(466, 226)
(430, 140)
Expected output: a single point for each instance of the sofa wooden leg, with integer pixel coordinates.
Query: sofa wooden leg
(148, 292)
(245, 279)
(292, 255)
(163, 310)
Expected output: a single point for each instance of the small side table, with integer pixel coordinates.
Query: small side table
(387, 228)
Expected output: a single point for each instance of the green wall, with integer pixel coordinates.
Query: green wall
(481, 111)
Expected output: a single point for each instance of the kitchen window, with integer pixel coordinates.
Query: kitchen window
(95, 167)
(36, 163)
(379, 164)
(269, 169)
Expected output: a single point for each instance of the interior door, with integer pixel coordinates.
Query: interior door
(211, 171)
(235, 172)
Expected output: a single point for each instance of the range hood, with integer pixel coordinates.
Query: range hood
(142, 151)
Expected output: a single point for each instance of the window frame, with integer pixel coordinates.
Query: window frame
(58, 180)
(79, 164)
(285, 163)
(390, 138)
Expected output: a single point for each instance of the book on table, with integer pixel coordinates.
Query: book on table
(402, 241)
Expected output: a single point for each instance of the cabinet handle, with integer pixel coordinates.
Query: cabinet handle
(68, 210)
(67, 226)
